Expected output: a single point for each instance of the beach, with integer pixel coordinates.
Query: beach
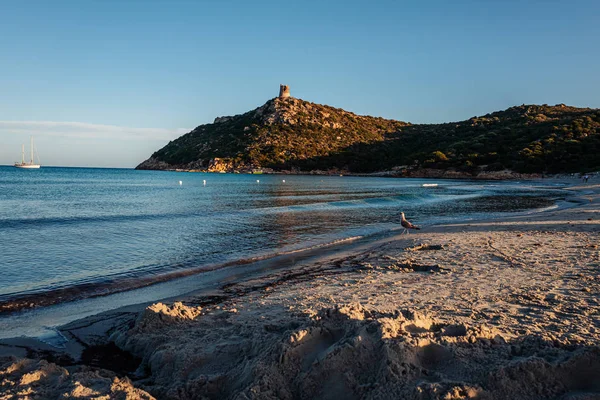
(493, 309)
(208, 200)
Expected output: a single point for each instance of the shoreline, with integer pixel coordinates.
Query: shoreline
(406, 173)
(457, 295)
(110, 287)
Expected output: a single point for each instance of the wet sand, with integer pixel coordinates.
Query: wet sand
(505, 309)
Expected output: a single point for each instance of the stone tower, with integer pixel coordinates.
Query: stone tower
(284, 91)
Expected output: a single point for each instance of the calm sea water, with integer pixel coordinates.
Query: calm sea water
(78, 228)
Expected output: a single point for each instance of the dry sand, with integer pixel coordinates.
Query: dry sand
(492, 310)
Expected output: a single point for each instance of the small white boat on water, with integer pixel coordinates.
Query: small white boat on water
(27, 165)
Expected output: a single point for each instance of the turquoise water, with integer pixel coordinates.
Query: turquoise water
(73, 232)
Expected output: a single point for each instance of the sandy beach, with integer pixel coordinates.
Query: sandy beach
(497, 309)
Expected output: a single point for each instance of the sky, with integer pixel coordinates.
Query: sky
(107, 83)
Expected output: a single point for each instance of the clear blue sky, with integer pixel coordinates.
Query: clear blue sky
(105, 83)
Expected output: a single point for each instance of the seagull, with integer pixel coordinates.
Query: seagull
(407, 225)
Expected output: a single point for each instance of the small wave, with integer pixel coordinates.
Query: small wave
(317, 246)
(542, 209)
(37, 222)
(15, 302)
(412, 199)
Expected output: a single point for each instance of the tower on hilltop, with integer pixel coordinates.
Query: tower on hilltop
(284, 91)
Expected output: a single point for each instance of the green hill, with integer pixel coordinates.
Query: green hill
(292, 134)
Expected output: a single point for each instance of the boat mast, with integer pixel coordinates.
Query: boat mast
(22, 154)
(32, 150)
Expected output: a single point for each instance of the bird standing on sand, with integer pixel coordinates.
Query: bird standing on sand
(407, 225)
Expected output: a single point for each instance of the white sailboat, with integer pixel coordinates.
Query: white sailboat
(23, 164)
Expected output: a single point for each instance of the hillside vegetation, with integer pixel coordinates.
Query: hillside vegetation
(292, 134)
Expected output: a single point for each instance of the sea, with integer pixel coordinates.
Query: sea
(68, 234)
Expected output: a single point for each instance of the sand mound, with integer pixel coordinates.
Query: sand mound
(39, 379)
(352, 352)
(159, 315)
